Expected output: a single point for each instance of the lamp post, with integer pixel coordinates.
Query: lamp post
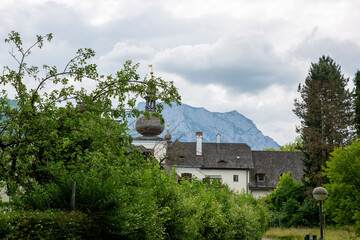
(320, 194)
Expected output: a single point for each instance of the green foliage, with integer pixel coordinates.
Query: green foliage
(49, 225)
(343, 171)
(226, 215)
(356, 104)
(271, 149)
(141, 202)
(117, 194)
(326, 116)
(289, 205)
(296, 145)
(120, 193)
(46, 128)
(291, 146)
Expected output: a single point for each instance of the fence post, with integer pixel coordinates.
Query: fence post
(73, 196)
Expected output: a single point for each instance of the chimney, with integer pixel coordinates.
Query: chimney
(199, 143)
(218, 137)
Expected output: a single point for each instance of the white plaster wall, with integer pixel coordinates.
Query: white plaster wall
(226, 176)
(260, 193)
(4, 197)
(159, 147)
(160, 150)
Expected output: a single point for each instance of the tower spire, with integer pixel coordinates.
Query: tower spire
(153, 126)
(151, 71)
(151, 97)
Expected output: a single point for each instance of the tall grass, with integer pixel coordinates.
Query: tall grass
(331, 233)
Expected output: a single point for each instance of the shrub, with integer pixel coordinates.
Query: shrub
(290, 206)
(343, 171)
(135, 199)
(45, 225)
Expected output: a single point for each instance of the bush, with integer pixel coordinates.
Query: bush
(116, 196)
(140, 201)
(290, 206)
(224, 214)
(343, 170)
(45, 225)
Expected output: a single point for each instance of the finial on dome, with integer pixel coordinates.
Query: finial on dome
(151, 71)
(167, 136)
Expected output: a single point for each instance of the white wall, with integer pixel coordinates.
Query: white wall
(4, 197)
(260, 193)
(226, 176)
(159, 147)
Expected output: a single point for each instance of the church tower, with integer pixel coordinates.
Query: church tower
(151, 128)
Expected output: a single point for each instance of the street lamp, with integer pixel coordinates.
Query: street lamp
(320, 194)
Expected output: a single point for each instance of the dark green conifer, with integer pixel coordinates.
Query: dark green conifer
(326, 116)
(357, 103)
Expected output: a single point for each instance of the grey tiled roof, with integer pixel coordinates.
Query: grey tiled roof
(273, 164)
(238, 156)
(215, 155)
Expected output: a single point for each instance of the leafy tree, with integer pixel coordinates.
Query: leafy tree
(291, 146)
(343, 171)
(290, 206)
(357, 102)
(46, 142)
(296, 145)
(47, 128)
(326, 116)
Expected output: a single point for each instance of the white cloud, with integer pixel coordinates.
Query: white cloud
(123, 51)
(344, 52)
(270, 109)
(245, 55)
(246, 62)
(98, 13)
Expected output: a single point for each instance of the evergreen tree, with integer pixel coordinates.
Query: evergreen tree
(357, 103)
(326, 116)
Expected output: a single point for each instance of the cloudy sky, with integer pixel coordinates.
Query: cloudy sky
(244, 55)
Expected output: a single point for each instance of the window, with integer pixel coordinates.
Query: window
(212, 178)
(186, 176)
(236, 178)
(260, 177)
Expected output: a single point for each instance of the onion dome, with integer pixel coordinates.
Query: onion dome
(152, 126)
(149, 127)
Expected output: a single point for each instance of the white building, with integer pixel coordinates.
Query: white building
(235, 164)
(242, 169)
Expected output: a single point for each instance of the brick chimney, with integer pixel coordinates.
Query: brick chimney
(199, 136)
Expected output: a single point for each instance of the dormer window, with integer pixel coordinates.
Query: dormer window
(222, 161)
(260, 177)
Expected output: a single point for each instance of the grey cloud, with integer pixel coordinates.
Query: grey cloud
(345, 52)
(246, 63)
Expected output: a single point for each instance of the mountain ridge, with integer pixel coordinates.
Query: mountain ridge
(185, 120)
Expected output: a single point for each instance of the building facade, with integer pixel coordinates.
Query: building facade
(235, 164)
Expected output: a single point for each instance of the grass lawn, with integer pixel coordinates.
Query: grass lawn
(331, 233)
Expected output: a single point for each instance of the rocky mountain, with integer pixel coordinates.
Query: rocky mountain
(185, 120)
